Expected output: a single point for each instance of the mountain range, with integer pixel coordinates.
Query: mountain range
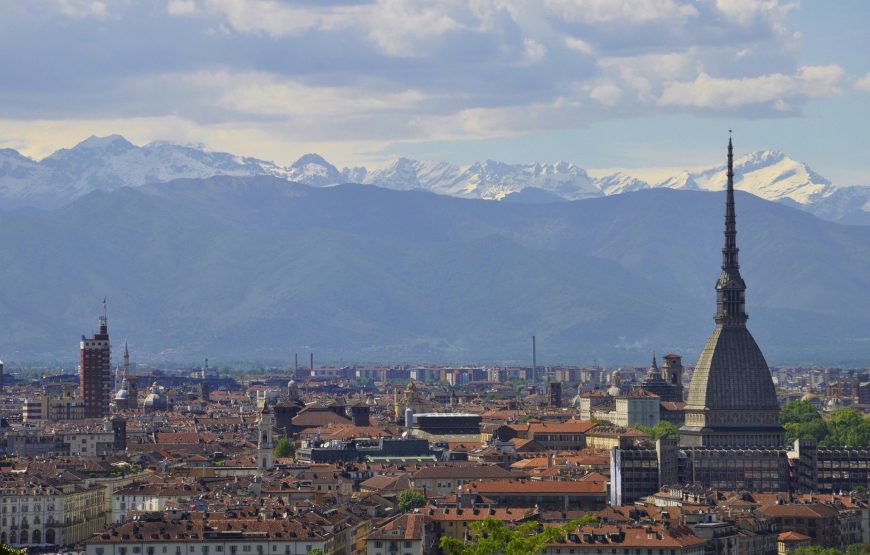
(256, 268)
(110, 163)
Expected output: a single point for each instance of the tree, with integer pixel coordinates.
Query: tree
(411, 499)
(798, 412)
(856, 549)
(848, 427)
(284, 448)
(588, 519)
(662, 430)
(492, 536)
(6, 549)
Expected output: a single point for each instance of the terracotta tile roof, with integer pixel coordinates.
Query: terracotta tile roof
(495, 487)
(465, 472)
(406, 527)
(792, 536)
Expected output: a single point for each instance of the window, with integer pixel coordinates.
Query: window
(99, 551)
(219, 548)
(379, 544)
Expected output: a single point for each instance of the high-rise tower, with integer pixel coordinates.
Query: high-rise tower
(95, 370)
(732, 400)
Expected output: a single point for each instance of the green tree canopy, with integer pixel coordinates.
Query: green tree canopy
(856, 549)
(662, 430)
(411, 499)
(798, 412)
(6, 549)
(492, 536)
(848, 427)
(284, 448)
(802, 420)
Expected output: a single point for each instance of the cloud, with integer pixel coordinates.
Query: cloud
(863, 84)
(375, 71)
(776, 90)
(83, 8)
(181, 7)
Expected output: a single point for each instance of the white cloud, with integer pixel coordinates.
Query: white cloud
(272, 18)
(578, 44)
(863, 84)
(83, 8)
(606, 93)
(598, 11)
(776, 89)
(398, 26)
(264, 94)
(534, 51)
(181, 7)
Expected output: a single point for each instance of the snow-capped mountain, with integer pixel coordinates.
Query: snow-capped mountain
(619, 183)
(489, 180)
(108, 163)
(771, 175)
(683, 181)
(312, 169)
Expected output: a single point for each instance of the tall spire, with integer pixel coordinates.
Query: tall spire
(730, 288)
(126, 360)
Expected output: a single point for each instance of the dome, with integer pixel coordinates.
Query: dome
(732, 374)
(411, 387)
(614, 391)
(122, 395)
(155, 400)
(810, 397)
(291, 383)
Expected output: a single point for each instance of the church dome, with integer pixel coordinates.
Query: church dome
(156, 401)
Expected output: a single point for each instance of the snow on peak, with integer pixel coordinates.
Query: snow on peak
(620, 182)
(313, 169)
(771, 175)
(683, 181)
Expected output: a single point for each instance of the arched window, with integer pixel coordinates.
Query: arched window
(49, 536)
(13, 538)
(37, 536)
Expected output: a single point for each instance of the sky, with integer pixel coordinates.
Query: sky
(643, 85)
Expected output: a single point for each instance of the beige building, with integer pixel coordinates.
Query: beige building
(36, 512)
(185, 534)
(66, 404)
(403, 535)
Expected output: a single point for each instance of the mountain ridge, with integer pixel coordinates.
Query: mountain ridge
(255, 268)
(108, 163)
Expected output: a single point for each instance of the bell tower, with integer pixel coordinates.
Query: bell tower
(265, 439)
